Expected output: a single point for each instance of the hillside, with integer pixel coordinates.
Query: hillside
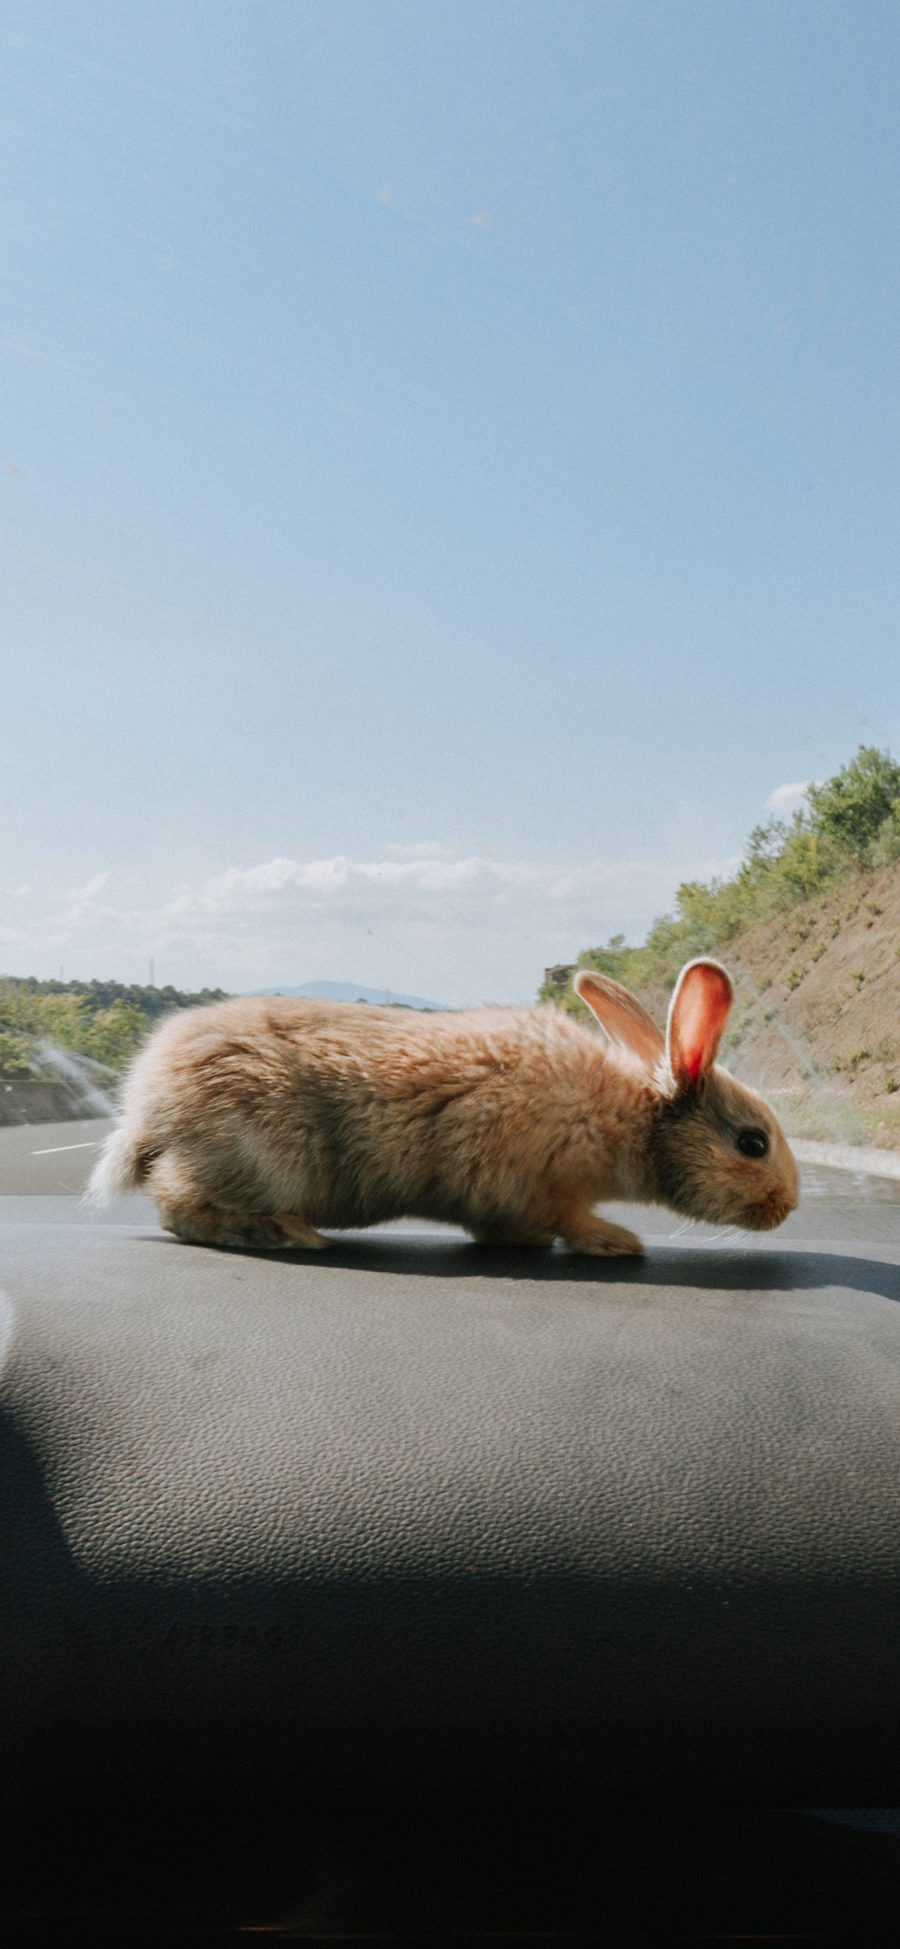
(810, 928)
(816, 1024)
(348, 991)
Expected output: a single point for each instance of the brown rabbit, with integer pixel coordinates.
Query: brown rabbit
(253, 1122)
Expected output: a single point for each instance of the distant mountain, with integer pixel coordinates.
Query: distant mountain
(344, 991)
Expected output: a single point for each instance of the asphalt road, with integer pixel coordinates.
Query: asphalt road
(45, 1167)
(49, 1158)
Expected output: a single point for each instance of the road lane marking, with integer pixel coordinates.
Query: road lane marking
(53, 1148)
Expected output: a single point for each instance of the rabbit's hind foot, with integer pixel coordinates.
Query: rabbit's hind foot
(205, 1224)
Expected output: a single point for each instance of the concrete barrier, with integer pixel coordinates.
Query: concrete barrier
(848, 1157)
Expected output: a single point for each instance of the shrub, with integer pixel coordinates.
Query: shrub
(852, 819)
(15, 1057)
(852, 807)
(100, 1019)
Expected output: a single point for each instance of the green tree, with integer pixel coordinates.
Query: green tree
(851, 807)
(61, 1018)
(15, 1055)
(113, 1035)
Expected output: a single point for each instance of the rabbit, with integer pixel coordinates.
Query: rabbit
(257, 1121)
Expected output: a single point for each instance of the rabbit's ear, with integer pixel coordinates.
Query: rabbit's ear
(699, 1011)
(620, 1016)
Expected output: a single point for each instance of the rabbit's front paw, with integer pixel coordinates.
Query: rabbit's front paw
(603, 1241)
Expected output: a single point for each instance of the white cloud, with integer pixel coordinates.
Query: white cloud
(342, 883)
(787, 798)
(461, 929)
(93, 887)
(81, 902)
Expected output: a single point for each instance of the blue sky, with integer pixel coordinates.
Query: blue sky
(449, 467)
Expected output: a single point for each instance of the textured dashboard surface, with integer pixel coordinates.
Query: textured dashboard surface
(416, 1513)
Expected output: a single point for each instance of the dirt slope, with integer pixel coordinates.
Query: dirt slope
(816, 1024)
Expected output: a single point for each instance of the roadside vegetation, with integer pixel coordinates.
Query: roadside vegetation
(810, 927)
(101, 1020)
(848, 825)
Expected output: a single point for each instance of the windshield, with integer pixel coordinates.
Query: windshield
(450, 527)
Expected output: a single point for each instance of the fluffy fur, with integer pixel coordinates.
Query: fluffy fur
(256, 1122)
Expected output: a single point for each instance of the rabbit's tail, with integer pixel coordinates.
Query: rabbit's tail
(123, 1164)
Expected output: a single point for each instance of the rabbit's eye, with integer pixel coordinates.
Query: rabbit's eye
(753, 1143)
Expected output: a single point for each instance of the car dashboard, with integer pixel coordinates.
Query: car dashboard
(427, 1587)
